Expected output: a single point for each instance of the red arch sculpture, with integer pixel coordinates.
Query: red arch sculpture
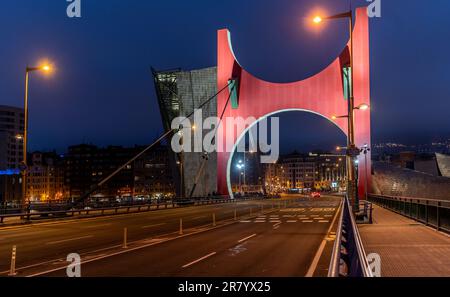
(322, 94)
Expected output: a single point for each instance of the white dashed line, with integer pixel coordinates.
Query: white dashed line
(198, 260)
(70, 239)
(246, 238)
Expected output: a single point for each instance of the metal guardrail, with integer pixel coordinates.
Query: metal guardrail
(431, 212)
(131, 208)
(348, 258)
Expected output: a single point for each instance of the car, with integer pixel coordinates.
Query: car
(315, 195)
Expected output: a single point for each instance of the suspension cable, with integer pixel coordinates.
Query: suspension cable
(162, 137)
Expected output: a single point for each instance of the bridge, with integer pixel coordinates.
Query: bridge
(222, 235)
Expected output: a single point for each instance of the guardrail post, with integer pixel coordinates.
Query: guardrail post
(12, 270)
(125, 231)
(410, 208)
(181, 227)
(438, 219)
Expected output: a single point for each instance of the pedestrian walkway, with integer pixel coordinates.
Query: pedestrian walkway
(407, 248)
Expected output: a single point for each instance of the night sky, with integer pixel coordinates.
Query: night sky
(102, 91)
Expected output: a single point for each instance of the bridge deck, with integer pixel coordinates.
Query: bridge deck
(407, 248)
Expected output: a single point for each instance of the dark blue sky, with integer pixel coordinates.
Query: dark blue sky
(102, 91)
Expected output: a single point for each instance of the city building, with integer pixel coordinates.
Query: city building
(299, 172)
(45, 177)
(152, 174)
(179, 93)
(87, 165)
(11, 153)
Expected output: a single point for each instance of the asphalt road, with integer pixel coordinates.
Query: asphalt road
(287, 241)
(42, 242)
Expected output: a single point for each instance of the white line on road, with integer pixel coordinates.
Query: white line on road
(70, 239)
(246, 238)
(153, 225)
(292, 221)
(307, 221)
(198, 260)
(245, 221)
(319, 252)
(323, 221)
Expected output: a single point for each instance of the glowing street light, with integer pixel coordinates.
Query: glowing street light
(45, 67)
(363, 106)
(317, 19)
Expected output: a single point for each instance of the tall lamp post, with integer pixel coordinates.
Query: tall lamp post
(45, 68)
(240, 166)
(352, 150)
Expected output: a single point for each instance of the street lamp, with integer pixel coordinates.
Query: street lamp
(240, 166)
(180, 163)
(45, 68)
(351, 150)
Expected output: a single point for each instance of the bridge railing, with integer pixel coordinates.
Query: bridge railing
(431, 212)
(348, 258)
(88, 210)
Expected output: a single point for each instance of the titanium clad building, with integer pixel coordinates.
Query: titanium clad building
(179, 93)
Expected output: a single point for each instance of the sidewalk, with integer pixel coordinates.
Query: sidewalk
(407, 248)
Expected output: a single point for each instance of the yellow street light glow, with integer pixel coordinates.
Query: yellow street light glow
(46, 68)
(317, 19)
(333, 117)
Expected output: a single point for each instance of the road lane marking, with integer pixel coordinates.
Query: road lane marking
(69, 239)
(246, 238)
(318, 219)
(307, 221)
(328, 216)
(260, 221)
(121, 251)
(323, 221)
(245, 221)
(198, 260)
(153, 225)
(318, 255)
